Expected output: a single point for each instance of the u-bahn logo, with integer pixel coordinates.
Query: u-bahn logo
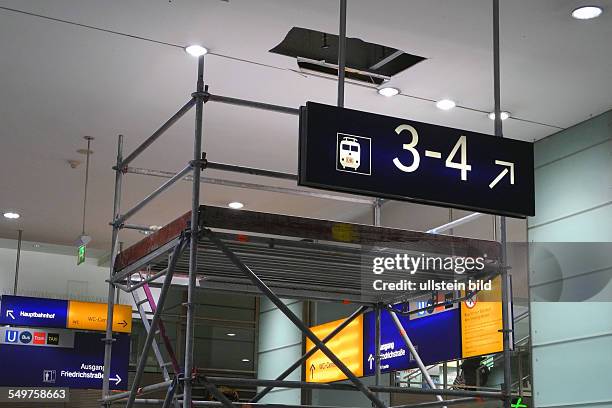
(11, 336)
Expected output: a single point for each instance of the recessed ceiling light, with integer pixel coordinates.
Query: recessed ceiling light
(231, 334)
(388, 91)
(446, 104)
(151, 230)
(196, 50)
(587, 12)
(11, 215)
(236, 205)
(503, 115)
(245, 360)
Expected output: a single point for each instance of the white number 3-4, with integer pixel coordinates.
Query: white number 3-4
(462, 165)
(460, 147)
(416, 159)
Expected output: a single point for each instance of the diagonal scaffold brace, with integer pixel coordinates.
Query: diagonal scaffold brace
(156, 319)
(310, 353)
(293, 318)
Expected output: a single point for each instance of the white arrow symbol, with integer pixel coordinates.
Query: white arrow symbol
(371, 360)
(509, 165)
(9, 313)
(117, 379)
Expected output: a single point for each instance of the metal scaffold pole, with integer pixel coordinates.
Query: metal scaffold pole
(377, 333)
(201, 224)
(294, 319)
(414, 353)
(341, 53)
(199, 96)
(108, 338)
(309, 353)
(142, 361)
(506, 313)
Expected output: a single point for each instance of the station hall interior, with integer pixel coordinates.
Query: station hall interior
(207, 203)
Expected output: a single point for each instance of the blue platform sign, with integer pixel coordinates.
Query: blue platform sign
(436, 337)
(79, 367)
(363, 153)
(35, 312)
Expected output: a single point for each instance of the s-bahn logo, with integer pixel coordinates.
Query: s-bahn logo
(354, 154)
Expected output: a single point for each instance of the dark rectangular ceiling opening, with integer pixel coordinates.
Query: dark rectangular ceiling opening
(318, 51)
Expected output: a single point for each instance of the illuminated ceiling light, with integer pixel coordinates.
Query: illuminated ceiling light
(388, 91)
(151, 230)
(235, 205)
(245, 360)
(231, 334)
(503, 115)
(587, 12)
(445, 104)
(11, 215)
(196, 50)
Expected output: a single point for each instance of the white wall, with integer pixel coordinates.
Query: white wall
(51, 275)
(417, 217)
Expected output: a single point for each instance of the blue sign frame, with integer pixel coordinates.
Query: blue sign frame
(33, 312)
(437, 338)
(79, 367)
(364, 153)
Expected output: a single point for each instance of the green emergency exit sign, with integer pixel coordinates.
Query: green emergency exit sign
(81, 254)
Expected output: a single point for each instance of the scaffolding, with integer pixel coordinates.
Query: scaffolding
(178, 246)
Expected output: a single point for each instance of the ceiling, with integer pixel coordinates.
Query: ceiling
(60, 82)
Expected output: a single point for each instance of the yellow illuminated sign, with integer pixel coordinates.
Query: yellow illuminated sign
(347, 345)
(481, 322)
(344, 232)
(92, 316)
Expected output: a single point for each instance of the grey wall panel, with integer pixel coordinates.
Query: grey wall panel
(572, 341)
(280, 344)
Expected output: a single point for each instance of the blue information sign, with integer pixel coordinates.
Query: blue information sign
(436, 337)
(78, 367)
(359, 152)
(35, 312)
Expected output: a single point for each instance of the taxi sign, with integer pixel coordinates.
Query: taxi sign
(92, 316)
(346, 345)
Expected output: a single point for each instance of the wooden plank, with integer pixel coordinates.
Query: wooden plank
(152, 242)
(308, 228)
(334, 231)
